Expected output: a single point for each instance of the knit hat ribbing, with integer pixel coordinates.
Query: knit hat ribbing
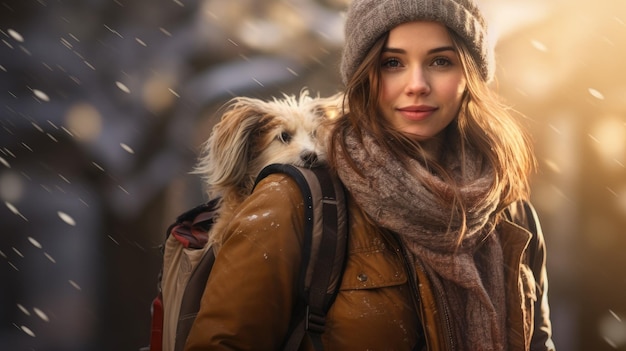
(367, 20)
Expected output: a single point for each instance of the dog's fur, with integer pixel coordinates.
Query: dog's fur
(253, 134)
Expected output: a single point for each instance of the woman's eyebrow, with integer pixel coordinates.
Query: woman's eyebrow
(394, 50)
(443, 48)
(431, 51)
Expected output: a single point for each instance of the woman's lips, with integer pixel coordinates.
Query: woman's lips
(417, 113)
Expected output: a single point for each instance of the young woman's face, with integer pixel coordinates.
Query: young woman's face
(422, 79)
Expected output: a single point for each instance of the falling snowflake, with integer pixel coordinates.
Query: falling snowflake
(141, 42)
(41, 314)
(66, 218)
(50, 258)
(41, 95)
(23, 309)
(15, 35)
(73, 283)
(122, 87)
(5, 163)
(127, 148)
(34, 242)
(539, 45)
(26, 330)
(15, 210)
(596, 94)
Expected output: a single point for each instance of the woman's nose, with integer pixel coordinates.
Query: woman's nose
(418, 82)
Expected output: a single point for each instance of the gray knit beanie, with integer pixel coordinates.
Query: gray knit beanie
(367, 20)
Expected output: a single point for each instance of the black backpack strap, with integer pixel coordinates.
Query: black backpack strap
(324, 248)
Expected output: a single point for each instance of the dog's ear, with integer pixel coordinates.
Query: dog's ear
(329, 107)
(227, 152)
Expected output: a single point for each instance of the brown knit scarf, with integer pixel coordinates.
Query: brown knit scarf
(468, 280)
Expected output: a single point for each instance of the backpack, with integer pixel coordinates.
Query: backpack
(323, 257)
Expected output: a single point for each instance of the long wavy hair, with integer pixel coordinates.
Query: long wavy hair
(483, 123)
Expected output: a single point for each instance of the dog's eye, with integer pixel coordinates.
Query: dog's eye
(285, 137)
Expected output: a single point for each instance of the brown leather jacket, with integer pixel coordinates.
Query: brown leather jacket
(383, 299)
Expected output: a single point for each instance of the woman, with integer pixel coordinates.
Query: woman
(441, 254)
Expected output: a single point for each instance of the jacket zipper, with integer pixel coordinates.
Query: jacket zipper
(446, 313)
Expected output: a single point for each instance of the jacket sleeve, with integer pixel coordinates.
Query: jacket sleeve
(542, 336)
(250, 293)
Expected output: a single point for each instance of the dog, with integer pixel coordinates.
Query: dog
(252, 134)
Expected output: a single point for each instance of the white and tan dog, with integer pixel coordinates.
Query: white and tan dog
(252, 134)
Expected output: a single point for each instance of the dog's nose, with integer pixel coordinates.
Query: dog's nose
(309, 157)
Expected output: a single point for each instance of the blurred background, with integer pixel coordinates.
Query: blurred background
(104, 105)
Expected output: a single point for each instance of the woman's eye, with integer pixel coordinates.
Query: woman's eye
(391, 63)
(284, 137)
(441, 61)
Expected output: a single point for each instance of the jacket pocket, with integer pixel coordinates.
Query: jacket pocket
(373, 269)
(373, 310)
